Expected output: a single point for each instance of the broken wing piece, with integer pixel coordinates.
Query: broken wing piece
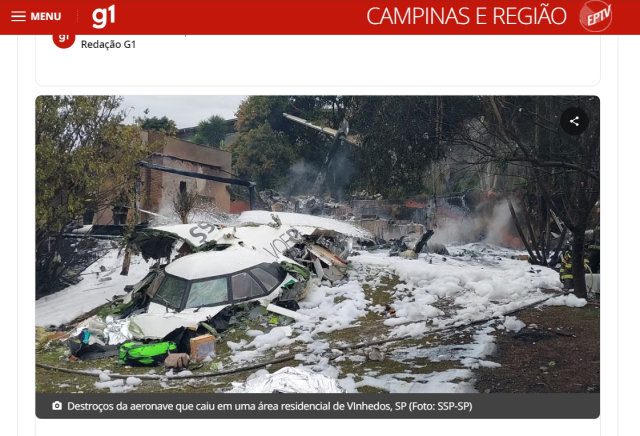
(344, 129)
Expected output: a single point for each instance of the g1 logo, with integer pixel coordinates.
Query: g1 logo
(100, 16)
(64, 41)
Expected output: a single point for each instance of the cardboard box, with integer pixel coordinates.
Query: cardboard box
(202, 346)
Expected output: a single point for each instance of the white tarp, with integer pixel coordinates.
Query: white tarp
(290, 380)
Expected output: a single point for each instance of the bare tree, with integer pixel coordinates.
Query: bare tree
(524, 133)
(185, 204)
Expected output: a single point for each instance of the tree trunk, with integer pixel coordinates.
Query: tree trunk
(547, 230)
(527, 219)
(520, 232)
(554, 258)
(132, 219)
(577, 267)
(126, 262)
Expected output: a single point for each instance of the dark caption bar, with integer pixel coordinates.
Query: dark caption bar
(315, 406)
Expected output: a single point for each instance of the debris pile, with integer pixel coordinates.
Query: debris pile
(276, 201)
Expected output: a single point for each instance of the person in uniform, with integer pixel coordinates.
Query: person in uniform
(593, 249)
(566, 271)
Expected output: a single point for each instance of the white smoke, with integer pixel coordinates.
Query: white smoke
(457, 231)
(300, 178)
(166, 216)
(496, 228)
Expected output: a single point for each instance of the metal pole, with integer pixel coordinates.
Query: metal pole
(252, 189)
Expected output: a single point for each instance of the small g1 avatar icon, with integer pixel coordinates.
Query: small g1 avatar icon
(57, 405)
(64, 41)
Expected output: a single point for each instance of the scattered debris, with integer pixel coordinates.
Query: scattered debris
(374, 353)
(202, 347)
(389, 310)
(177, 361)
(138, 354)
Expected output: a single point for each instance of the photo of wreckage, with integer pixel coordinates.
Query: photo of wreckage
(205, 273)
(420, 251)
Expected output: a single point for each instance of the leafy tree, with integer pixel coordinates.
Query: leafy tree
(164, 125)
(256, 110)
(85, 158)
(401, 139)
(399, 143)
(307, 147)
(211, 132)
(263, 155)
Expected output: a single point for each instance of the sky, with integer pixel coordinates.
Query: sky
(185, 110)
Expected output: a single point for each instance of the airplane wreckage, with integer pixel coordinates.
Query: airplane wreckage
(206, 273)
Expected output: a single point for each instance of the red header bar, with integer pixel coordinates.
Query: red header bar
(320, 17)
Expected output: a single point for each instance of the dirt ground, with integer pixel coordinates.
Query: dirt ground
(561, 355)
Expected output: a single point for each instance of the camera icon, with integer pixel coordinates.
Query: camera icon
(57, 405)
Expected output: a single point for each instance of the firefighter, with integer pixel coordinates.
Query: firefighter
(593, 249)
(566, 272)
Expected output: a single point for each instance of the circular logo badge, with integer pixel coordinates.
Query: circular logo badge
(64, 41)
(574, 121)
(595, 16)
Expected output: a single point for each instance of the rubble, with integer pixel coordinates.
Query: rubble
(409, 246)
(321, 244)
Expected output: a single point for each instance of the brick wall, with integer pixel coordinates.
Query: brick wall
(161, 187)
(158, 188)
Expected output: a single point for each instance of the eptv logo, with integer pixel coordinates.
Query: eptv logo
(595, 16)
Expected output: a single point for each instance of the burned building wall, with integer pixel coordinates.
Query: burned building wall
(192, 157)
(389, 229)
(472, 216)
(158, 189)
